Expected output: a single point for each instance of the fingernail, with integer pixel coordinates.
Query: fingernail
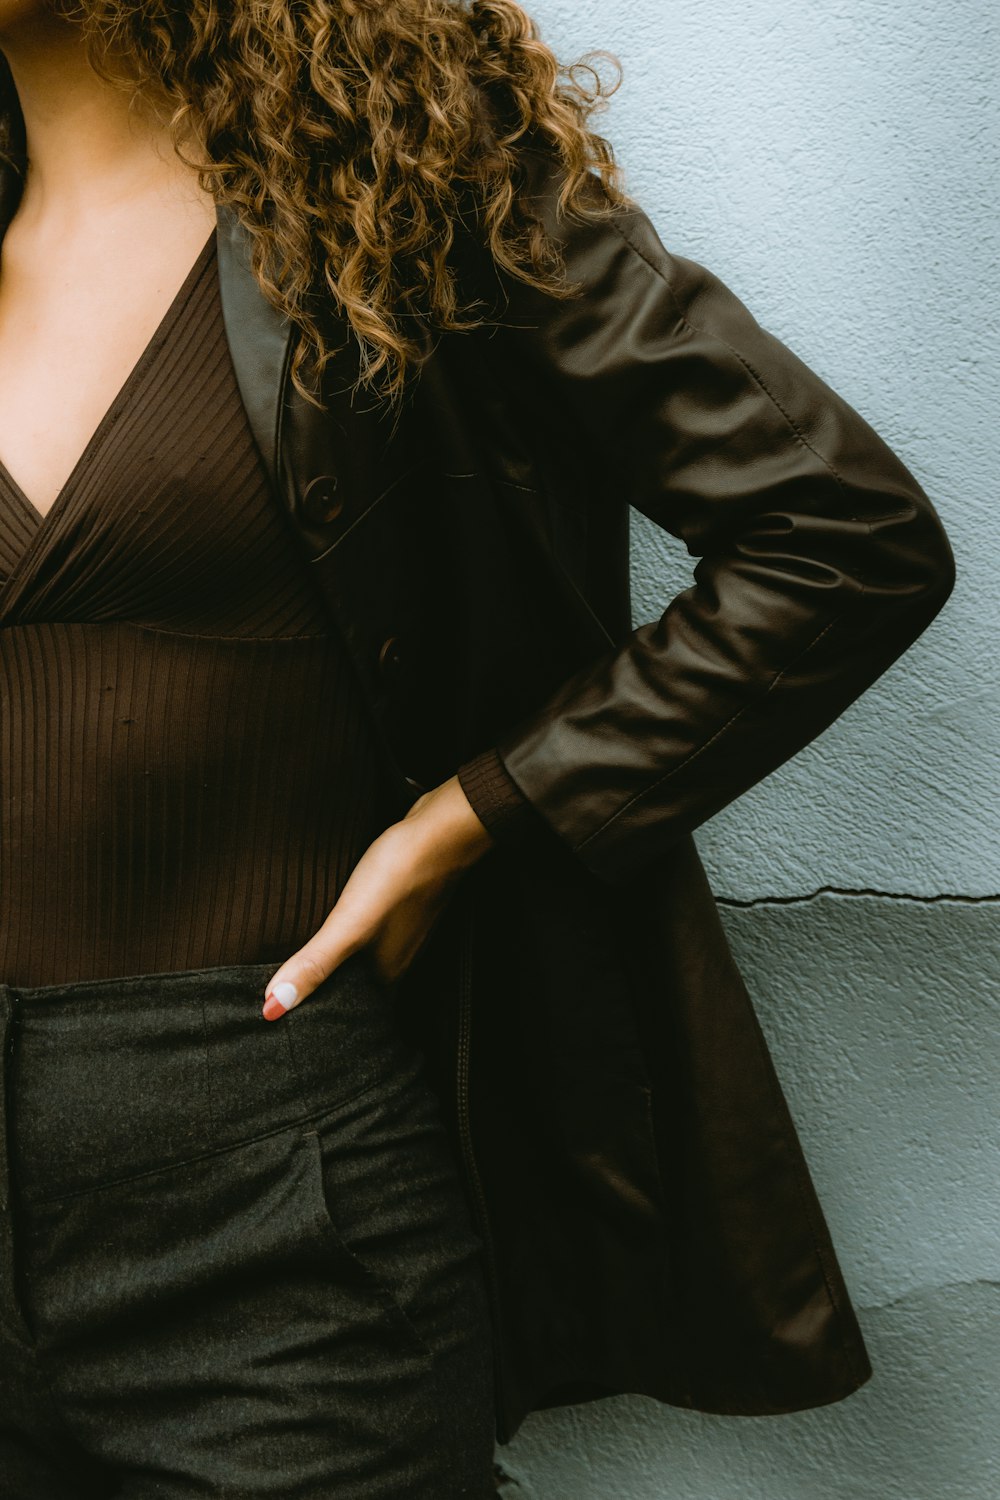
(280, 999)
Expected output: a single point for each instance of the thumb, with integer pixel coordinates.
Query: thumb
(305, 971)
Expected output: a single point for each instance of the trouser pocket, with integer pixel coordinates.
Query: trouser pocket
(347, 1265)
(389, 1192)
(224, 1265)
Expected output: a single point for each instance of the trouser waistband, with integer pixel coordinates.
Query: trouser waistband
(108, 1078)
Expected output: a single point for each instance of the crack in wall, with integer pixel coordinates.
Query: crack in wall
(837, 890)
(928, 1287)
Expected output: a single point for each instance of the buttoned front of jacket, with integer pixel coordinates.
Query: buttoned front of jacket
(648, 1219)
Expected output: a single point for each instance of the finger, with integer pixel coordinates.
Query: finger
(303, 973)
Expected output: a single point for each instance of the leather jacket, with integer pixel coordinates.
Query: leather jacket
(648, 1220)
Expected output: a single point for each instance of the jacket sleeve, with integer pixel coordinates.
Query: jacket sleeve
(820, 558)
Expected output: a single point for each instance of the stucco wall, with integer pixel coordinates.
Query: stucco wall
(836, 165)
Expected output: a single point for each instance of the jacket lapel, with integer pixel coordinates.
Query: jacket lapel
(328, 464)
(260, 338)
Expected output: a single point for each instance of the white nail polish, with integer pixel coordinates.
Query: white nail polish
(285, 993)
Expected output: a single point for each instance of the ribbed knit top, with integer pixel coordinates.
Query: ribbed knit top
(186, 777)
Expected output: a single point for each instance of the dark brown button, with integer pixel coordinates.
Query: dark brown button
(320, 500)
(389, 656)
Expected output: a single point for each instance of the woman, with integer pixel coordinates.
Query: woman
(240, 1257)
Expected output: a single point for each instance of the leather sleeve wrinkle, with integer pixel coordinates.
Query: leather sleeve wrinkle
(647, 791)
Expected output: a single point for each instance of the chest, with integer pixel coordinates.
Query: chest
(75, 319)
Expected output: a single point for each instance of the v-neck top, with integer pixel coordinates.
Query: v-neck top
(186, 769)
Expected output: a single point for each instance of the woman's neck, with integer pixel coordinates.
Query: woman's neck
(86, 147)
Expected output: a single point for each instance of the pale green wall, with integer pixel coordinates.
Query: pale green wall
(836, 165)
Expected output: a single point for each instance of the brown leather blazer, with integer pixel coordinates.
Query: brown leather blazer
(648, 1220)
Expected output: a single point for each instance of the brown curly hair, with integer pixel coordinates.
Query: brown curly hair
(360, 143)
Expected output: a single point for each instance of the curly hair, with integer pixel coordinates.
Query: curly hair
(361, 143)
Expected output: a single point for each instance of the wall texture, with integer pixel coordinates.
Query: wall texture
(836, 165)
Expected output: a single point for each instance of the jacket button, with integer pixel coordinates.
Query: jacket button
(320, 500)
(389, 656)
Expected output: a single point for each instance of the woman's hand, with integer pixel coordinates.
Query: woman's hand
(395, 894)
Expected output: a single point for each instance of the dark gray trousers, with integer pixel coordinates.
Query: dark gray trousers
(235, 1257)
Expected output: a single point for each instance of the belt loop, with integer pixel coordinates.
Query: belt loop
(8, 1017)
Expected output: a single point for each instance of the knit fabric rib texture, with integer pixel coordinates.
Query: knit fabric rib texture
(187, 776)
(185, 768)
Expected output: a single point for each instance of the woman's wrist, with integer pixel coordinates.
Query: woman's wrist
(453, 833)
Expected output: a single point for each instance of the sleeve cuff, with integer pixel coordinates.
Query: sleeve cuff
(497, 800)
